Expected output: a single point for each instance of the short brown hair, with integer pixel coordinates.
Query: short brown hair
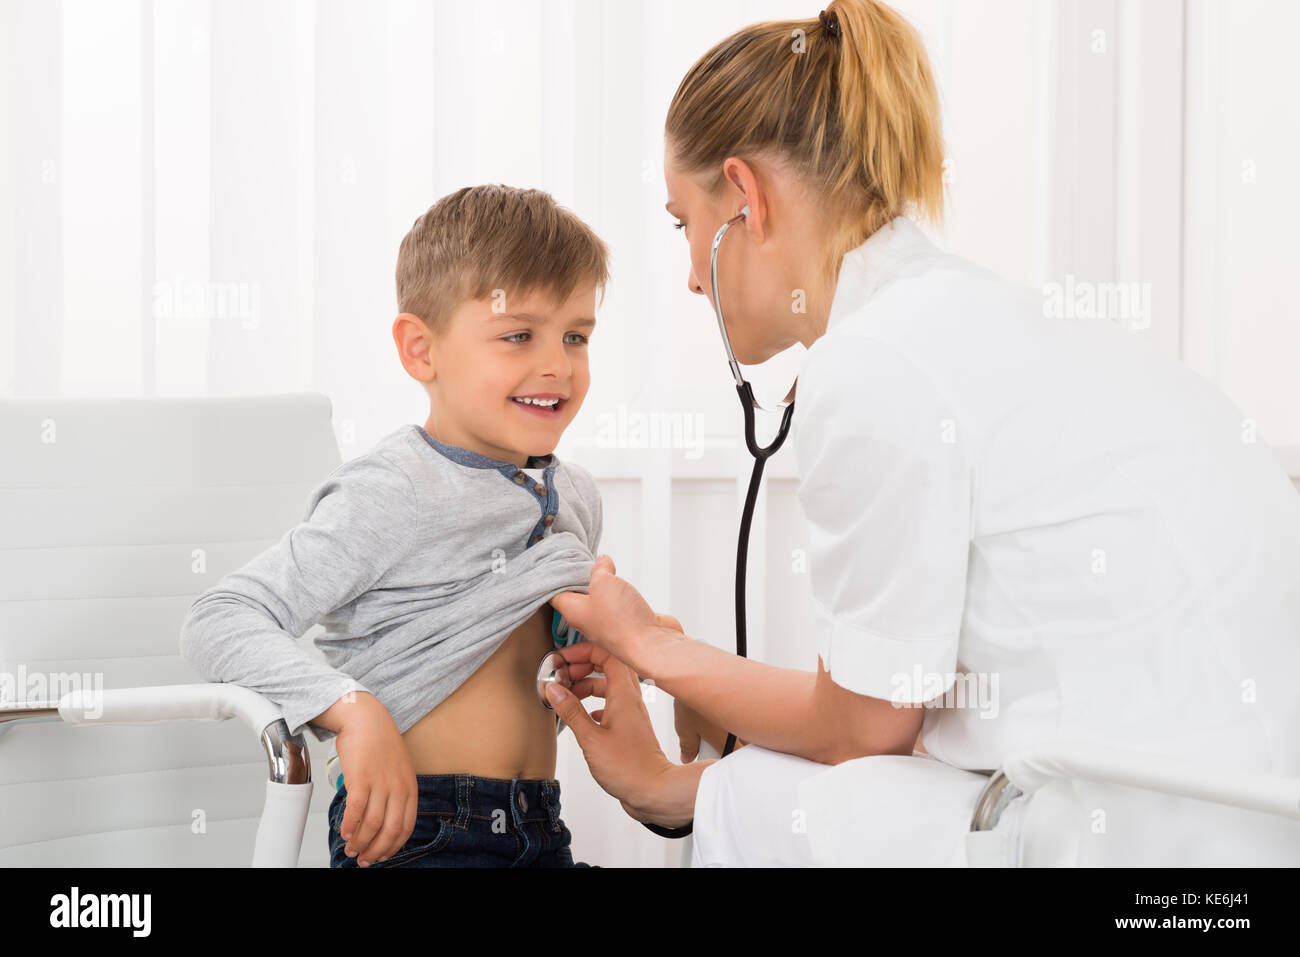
(849, 101)
(482, 238)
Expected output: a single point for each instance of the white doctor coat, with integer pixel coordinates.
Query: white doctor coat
(1091, 537)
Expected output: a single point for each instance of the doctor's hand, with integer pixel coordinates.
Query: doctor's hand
(621, 750)
(613, 615)
(692, 728)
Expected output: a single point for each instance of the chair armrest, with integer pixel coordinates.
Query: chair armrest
(210, 701)
(288, 758)
(1028, 770)
(288, 789)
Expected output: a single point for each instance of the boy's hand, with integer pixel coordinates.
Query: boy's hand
(380, 813)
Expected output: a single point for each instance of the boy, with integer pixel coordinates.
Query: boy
(431, 559)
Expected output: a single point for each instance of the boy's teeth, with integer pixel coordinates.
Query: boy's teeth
(547, 403)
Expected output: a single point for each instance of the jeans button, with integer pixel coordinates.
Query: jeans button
(523, 802)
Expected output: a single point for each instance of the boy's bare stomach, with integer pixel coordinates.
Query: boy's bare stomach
(493, 725)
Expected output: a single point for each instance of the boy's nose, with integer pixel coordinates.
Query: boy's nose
(555, 362)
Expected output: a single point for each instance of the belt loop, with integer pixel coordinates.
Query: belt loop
(552, 807)
(463, 785)
(512, 799)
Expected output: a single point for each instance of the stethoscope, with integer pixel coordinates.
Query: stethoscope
(553, 667)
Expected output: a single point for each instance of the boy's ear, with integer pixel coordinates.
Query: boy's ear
(416, 346)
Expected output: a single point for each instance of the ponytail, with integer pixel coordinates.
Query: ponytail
(847, 98)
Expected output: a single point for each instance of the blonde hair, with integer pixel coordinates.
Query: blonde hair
(482, 238)
(855, 115)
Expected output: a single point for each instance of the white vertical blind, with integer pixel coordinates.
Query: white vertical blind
(1242, 313)
(103, 309)
(181, 67)
(31, 277)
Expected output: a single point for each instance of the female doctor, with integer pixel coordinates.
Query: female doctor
(1021, 528)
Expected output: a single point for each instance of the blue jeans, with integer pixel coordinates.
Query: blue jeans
(463, 820)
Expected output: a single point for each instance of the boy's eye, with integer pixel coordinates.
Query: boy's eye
(514, 336)
(679, 226)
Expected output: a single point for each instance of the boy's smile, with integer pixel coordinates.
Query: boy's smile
(506, 377)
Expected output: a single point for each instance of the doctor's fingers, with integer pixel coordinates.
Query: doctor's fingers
(620, 679)
(580, 670)
(585, 652)
(598, 685)
(593, 686)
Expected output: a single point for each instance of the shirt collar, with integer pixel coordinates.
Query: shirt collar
(881, 258)
(477, 460)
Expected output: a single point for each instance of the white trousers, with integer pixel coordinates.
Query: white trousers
(761, 808)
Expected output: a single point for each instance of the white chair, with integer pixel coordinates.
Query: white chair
(114, 515)
(1233, 804)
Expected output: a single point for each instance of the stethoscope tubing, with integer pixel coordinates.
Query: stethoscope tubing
(761, 454)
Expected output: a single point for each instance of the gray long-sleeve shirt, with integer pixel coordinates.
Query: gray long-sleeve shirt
(419, 558)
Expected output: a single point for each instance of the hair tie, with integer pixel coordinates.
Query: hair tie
(830, 22)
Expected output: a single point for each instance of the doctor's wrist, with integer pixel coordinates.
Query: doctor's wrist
(669, 800)
(655, 652)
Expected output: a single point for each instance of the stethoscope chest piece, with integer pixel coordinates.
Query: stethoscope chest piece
(553, 669)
